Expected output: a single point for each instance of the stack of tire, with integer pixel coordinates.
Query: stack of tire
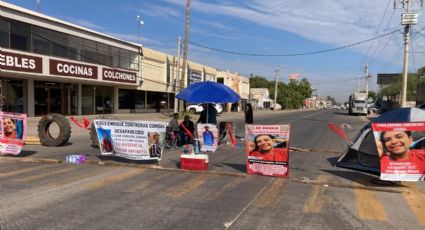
(44, 134)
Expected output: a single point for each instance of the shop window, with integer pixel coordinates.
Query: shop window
(115, 53)
(157, 101)
(89, 51)
(134, 61)
(124, 59)
(13, 92)
(140, 100)
(59, 44)
(103, 56)
(75, 46)
(125, 97)
(87, 99)
(20, 36)
(40, 44)
(4, 33)
(104, 100)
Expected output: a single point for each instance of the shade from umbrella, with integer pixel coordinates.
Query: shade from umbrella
(208, 92)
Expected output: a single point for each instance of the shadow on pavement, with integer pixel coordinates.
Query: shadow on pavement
(124, 160)
(239, 167)
(25, 153)
(364, 179)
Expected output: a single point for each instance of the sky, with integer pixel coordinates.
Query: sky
(306, 37)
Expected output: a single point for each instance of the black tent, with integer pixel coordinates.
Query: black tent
(362, 155)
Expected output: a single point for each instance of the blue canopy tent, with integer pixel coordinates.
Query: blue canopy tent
(362, 155)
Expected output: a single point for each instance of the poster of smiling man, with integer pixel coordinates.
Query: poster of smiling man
(401, 149)
(267, 148)
(13, 131)
(135, 140)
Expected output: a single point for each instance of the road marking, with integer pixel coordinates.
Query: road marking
(315, 200)
(146, 183)
(189, 185)
(113, 179)
(368, 207)
(25, 170)
(228, 185)
(416, 200)
(271, 194)
(85, 175)
(46, 174)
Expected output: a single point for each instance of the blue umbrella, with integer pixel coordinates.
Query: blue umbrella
(208, 92)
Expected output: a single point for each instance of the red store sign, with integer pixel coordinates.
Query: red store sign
(119, 76)
(63, 68)
(20, 62)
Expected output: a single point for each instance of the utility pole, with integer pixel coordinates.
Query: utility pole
(177, 80)
(186, 42)
(408, 18)
(367, 81)
(275, 87)
(249, 90)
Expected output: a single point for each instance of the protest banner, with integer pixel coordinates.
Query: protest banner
(135, 140)
(208, 137)
(401, 149)
(13, 132)
(267, 148)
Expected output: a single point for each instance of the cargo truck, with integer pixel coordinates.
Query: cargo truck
(357, 104)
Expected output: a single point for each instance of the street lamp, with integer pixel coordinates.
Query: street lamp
(139, 24)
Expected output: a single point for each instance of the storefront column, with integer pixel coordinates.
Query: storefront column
(80, 99)
(30, 98)
(116, 98)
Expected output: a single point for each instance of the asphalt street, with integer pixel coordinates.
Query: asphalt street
(111, 193)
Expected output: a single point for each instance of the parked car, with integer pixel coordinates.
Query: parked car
(197, 108)
(421, 106)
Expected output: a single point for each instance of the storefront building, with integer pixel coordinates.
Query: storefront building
(239, 84)
(51, 66)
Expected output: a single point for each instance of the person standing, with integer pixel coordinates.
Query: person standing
(208, 115)
(249, 116)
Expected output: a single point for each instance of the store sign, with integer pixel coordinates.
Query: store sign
(119, 75)
(19, 62)
(63, 68)
(194, 77)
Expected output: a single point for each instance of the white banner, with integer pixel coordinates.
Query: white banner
(135, 140)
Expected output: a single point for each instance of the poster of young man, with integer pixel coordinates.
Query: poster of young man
(401, 149)
(208, 137)
(267, 148)
(13, 130)
(135, 140)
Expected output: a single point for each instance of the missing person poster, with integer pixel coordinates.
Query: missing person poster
(401, 149)
(208, 137)
(135, 140)
(13, 130)
(267, 148)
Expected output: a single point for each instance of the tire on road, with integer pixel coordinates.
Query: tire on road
(46, 138)
(192, 110)
(93, 133)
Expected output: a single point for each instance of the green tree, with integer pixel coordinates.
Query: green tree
(395, 87)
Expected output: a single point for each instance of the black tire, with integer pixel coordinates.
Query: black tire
(46, 138)
(192, 110)
(93, 133)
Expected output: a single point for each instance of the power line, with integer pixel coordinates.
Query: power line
(292, 54)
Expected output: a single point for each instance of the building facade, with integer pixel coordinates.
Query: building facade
(51, 66)
(239, 84)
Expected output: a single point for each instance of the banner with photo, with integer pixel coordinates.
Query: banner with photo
(13, 131)
(267, 149)
(208, 137)
(401, 149)
(135, 140)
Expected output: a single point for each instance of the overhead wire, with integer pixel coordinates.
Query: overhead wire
(292, 54)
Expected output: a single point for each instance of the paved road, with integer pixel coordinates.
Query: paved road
(316, 195)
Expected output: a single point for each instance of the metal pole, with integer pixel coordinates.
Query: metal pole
(406, 59)
(275, 87)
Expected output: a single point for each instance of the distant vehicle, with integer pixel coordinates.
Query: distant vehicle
(336, 107)
(198, 108)
(343, 107)
(421, 106)
(357, 104)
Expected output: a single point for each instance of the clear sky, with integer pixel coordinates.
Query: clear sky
(262, 28)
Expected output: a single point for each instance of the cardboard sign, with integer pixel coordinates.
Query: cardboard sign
(267, 149)
(401, 149)
(135, 140)
(13, 131)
